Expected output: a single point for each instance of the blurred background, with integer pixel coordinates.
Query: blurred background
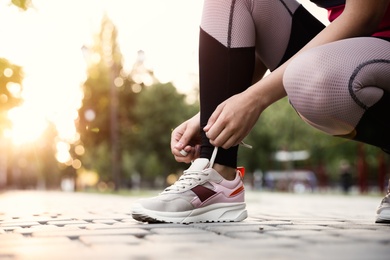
(90, 91)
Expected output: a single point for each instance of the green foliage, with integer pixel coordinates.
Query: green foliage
(159, 109)
(29, 164)
(144, 115)
(94, 114)
(281, 128)
(10, 88)
(22, 4)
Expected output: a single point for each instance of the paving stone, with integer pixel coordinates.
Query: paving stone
(5, 238)
(364, 235)
(327, 239)
(352, 251)
(124, 239)
(296, 233)
(275, 222)
(18, 224)
(75, 234)
(307, 227)
(57, 225)
(208, 238)
(118, 216)
(224, 229)
(64, 251)
(61, 223)
(11, 229)
(44, 228)
(105, 221)
(129, 224)
(94, 226)
(177, 230)
(19, 241)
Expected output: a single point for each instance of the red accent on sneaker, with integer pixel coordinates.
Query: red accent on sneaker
(202, 192)
(237, 191)
(242, 171)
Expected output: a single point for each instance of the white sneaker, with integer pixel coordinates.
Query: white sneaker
(200, 195)
(383, 211)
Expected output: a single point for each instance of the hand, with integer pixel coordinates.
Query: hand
(186, 137)
(232, 120)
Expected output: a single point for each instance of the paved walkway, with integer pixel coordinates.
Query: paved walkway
(55, 225)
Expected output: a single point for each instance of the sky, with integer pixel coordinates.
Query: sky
(47, 39)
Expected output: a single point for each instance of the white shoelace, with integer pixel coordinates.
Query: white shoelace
(188, 179)
(192, 177)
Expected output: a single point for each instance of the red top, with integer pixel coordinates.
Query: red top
(383, 29)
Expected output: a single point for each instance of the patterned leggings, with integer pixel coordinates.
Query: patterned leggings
(341, 88)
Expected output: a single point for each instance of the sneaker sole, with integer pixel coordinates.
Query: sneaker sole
(383, 217)
(221, 212)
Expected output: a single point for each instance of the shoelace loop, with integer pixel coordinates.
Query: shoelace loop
(189, 178)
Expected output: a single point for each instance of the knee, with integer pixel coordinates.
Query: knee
(308, 85)
(317, 91)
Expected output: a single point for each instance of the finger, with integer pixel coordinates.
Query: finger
(213, 118)
(178, 139)
(227, 138)
(192, 154)
(220, 140)
(217, 131)
(232, 141)
(184, 139)
(175, 137)
(183, 152)
(225, 143)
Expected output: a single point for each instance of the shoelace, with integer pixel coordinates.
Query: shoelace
(188, 179)
(191, 177)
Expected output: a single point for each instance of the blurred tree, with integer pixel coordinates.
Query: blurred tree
(33, 165)
(22, 4)
(29, 164)
(159, 109)
(142, 111)
(11, 77)
(280, 128)
(98, 125)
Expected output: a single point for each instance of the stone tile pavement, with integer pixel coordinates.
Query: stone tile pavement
(56, 225)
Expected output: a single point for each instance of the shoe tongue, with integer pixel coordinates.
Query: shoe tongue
(199, 164)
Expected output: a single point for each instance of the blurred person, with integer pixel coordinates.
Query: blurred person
(337, 78)
(345, 176)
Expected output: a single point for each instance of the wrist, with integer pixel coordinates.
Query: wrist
(267, 91)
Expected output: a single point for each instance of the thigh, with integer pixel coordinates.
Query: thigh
(277, 28)
(282, 28)
(333, 85)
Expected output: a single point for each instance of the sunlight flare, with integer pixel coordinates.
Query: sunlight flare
(28, 125)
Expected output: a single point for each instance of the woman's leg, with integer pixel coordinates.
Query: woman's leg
(232, 33)
(343, 89)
